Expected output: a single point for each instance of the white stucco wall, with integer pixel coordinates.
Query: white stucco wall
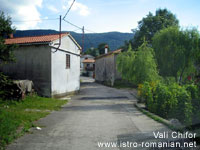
(65, 80)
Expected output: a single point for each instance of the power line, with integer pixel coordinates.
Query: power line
(69, 9)
(74, 30)
(36, 20)
(73, 24)
(79, 26)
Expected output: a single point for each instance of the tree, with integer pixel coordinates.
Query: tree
(151, 24)
(5, 31)
(138, 66)
(101, 48)
(92, 51)
(175, 51)
(125, 61)
(7, 89)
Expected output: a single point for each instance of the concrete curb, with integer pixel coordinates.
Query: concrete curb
(158, 118)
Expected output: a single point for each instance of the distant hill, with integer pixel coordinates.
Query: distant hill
(113, 39)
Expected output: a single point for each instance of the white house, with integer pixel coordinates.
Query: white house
(83, 57)
(54, 68)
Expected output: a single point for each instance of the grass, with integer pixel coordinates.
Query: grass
(17, 117)
(170, 126)
(159, 119)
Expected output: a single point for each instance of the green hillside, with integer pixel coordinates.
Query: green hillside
(113, 39)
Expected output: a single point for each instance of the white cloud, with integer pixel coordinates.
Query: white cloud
(64, 7)
(52, 8)
(82, 9)
(22, 10)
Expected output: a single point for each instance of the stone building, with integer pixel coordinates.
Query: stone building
(106, 67)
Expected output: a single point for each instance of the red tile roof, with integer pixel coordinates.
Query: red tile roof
(88, 61)
(34, 39)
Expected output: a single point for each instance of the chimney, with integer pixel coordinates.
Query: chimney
(11, 36)
(106, 49)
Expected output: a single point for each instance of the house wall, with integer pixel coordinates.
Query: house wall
(65, 80)
(105, 69)
(32, 63)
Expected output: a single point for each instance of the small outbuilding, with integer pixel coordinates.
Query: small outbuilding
(106, 67)
(52, 62)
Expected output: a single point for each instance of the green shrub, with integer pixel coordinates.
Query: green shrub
(194, 92)
(147, 95)
(168, 101)
(165, 101)
(184, 106)
(8, 90)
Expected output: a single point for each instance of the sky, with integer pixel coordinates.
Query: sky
(96, 16)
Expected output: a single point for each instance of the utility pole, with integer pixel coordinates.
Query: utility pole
(83, 37)
(59, 43)
(60, 30)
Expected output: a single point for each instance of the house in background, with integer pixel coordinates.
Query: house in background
(87, 65)
(106, 67)
(54, 68)
(83, 57)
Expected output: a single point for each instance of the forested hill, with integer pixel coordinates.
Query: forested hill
(113, 39)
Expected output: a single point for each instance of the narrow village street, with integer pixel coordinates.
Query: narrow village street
(96, 114)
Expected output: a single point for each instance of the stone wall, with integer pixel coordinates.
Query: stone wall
(105, 69)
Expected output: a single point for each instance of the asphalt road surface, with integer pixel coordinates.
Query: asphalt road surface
(97, 114)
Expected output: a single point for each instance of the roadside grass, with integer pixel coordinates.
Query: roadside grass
(17, 117)
(170, 126)
(158, 119)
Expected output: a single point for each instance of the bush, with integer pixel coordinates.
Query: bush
(184, 106)
(194, 92)
(163, 100)
(168, 101)
(8, 90)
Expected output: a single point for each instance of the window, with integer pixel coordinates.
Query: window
(67, 61)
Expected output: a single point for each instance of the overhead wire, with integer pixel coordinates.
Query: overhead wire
(73, 24)
(36, 20)
(88, 31)
(68, 9)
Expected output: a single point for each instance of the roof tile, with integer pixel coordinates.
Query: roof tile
(88, 61)
(34, 39)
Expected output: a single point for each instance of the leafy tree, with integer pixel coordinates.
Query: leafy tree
(125, 61)
(126, 45)
(151, 24)
(145, 65)
(175, 51)
(5, 31)
(138, 66)
(101, 48)
(92, 51)
(7, 88)
(97, 51)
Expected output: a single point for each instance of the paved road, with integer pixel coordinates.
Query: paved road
(96, 114)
